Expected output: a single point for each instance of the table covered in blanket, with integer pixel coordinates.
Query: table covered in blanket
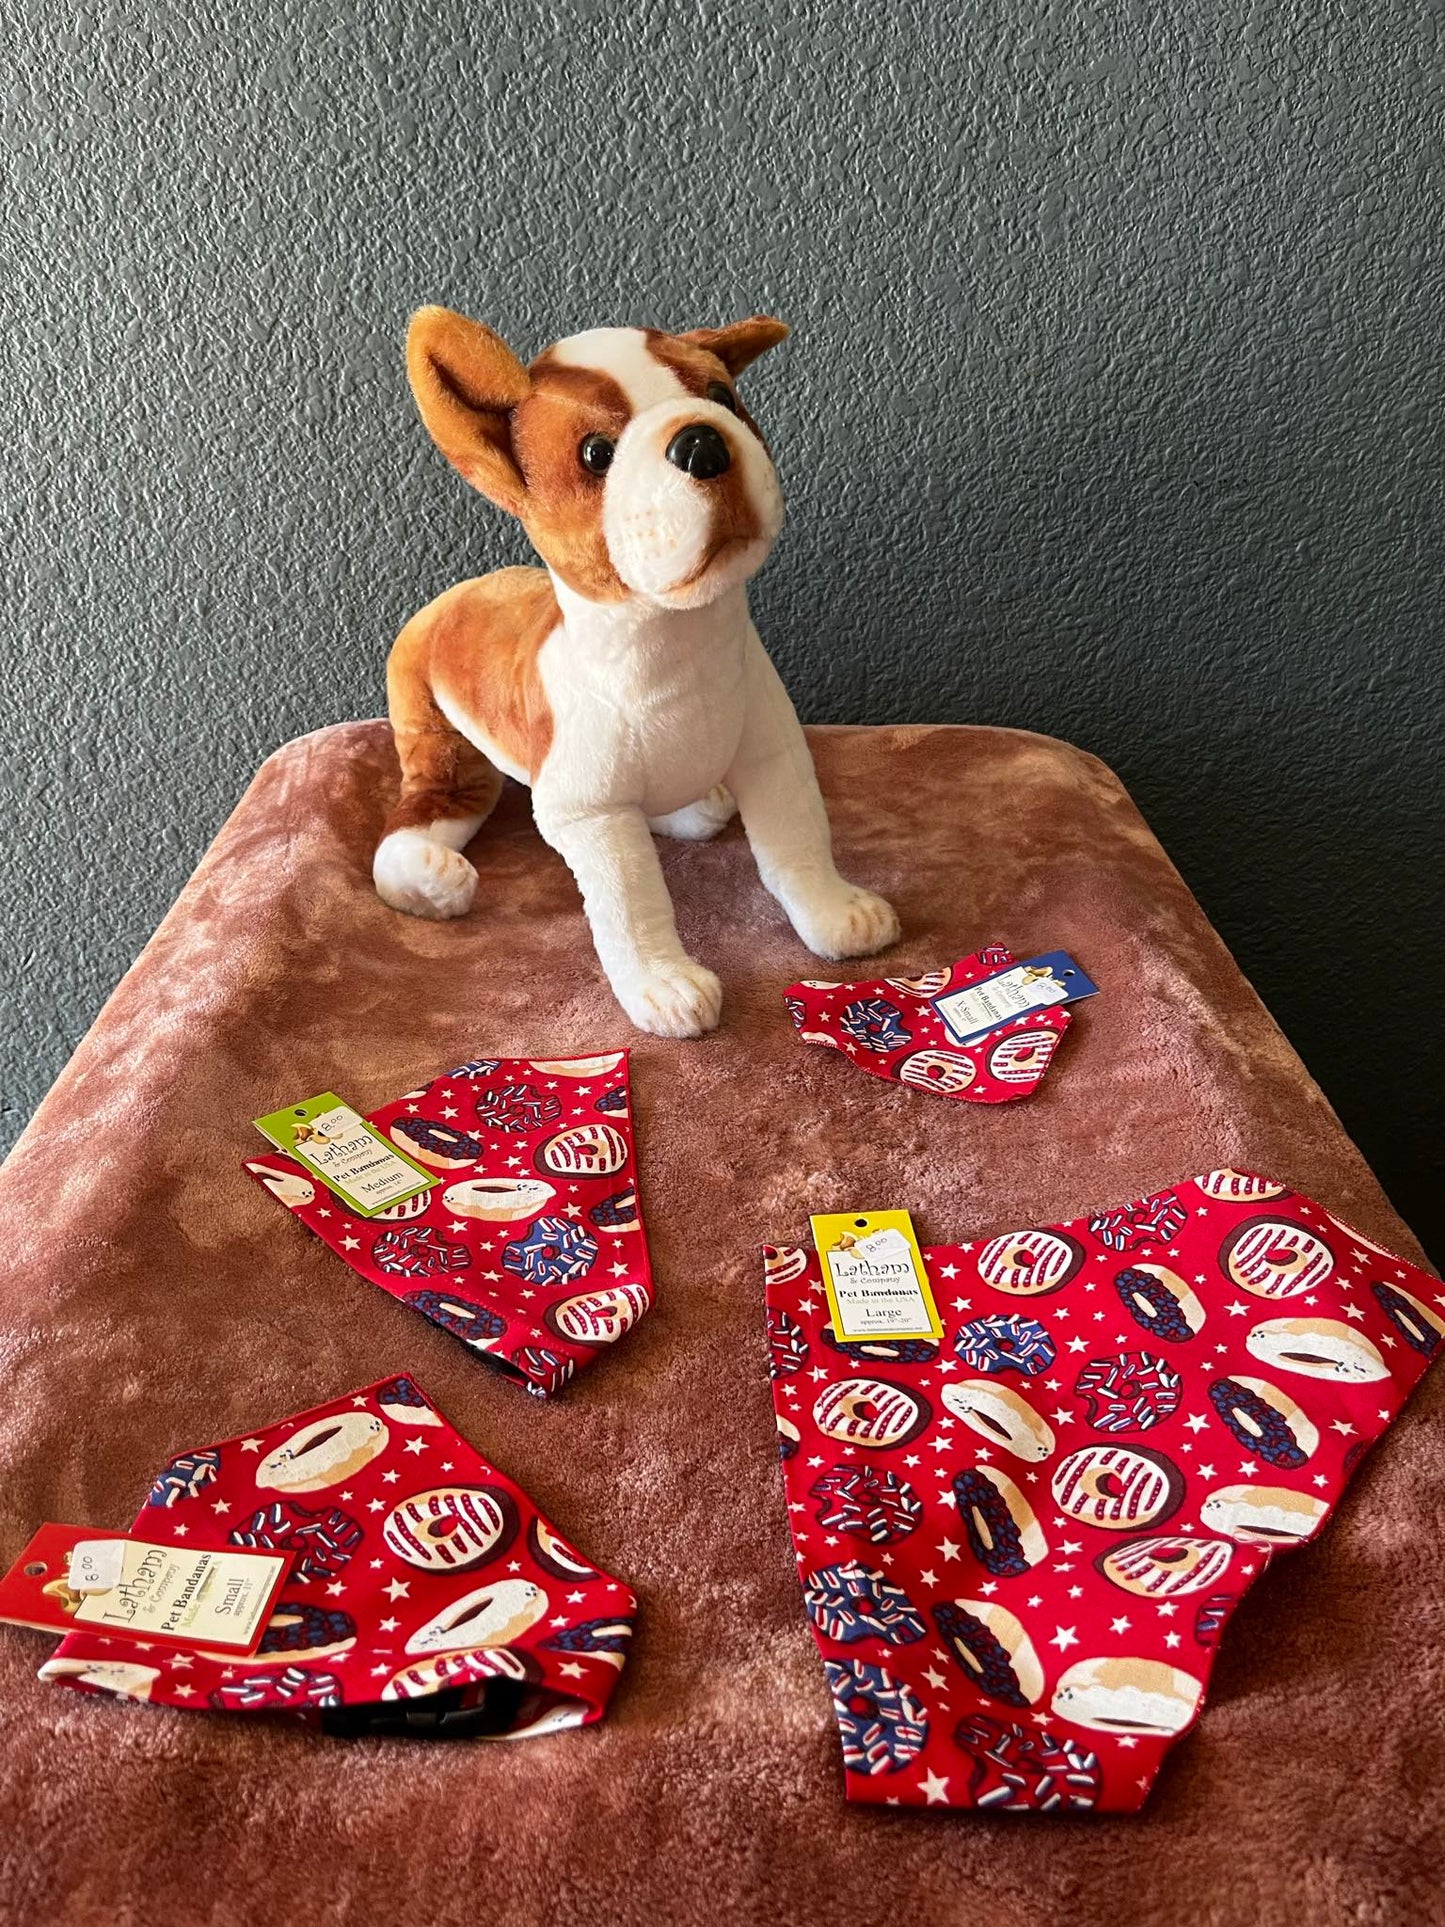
(152, 1296)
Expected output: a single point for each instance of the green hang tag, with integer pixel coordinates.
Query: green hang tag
(350, 1156)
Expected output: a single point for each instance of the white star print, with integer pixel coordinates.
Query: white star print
(1064, 1637)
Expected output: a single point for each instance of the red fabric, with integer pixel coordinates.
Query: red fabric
(400, 1528)
(1019, 1549)
(555, 1271)
(888, 1026)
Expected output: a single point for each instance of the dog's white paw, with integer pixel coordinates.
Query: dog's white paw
(847, 922)
(679, 999)
(698, 821)
(414, 873)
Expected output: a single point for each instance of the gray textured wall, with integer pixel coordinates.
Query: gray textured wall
(1113, 410)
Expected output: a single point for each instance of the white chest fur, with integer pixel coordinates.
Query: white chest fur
(648, 704)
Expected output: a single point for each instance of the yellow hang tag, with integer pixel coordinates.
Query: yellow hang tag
(875, 1278)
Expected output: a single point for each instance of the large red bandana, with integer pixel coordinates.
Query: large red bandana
(1018, 1549)
(532, 1250)
(426, 1586)
(890, 1027)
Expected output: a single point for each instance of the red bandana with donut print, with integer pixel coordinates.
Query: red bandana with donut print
(890, 1027)
(1018, 1548)
(427, 1595)
(532, 1249)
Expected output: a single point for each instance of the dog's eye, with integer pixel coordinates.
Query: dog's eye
(719, 392)
(596, 454)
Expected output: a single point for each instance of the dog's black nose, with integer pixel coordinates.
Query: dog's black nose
(699, 451)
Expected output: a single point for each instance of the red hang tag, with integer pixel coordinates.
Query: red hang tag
(72, 1578)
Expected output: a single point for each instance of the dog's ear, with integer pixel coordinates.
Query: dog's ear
(467, 381)
(740, 342)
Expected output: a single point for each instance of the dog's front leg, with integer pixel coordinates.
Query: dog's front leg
(611, 853)
(782, 810)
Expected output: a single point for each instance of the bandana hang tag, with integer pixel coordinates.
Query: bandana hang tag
(1038, 983)
(71, 1578)
(351, 1157)
(874, 1275)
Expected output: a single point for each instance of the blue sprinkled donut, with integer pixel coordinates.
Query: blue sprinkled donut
(850, 1602)
(436, 1142)
(1005, 1342)
(882, 1726)
(553, 1252)
(875, 1024)
(1258, 1426)
(981, 1653)
(472, 1323)
(476, 1067)
(184, 1477)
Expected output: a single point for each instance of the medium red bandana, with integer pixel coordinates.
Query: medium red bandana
(890, 1027)
(532, 1251)
(426, 1586)
(1018, 1549)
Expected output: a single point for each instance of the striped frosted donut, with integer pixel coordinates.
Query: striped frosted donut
(408, 1208)
(1275, 1257)
(1023, 1056)
(928, 985)
(430, 1676)
(599, 1317)
(938, 1070)
(1117, 1487)
(451, 1528)
(1264, 1420)
(870, 1412)
(1239, 1187)
(1026, 1264)
(1003, 1534)
(592, 1150)
(1163, 1568)
(881, 1725)
(993, 1649)
(783, 1263)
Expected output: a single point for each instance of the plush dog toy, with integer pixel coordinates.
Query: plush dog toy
(624, 682)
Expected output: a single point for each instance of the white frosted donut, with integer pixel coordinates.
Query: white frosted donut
(450, 1528)
(498, 1200)
(1000, 1416)
(1238, 1187)
(1023, 1055)
(819, 1037)
(577, 1066)
(290, 1187)
(1164, 1568)
(868, 1411)
(1317, 1348)
(491, 1616)
(783, 1263)
(118, 1676)
(1117, 1487)
(1275, 1258)
(938, 1070)
(584, 1151)
(1127, 1696)
(323, 1453)
(599, 1317)
(1263, 1515)
(1026, 1264)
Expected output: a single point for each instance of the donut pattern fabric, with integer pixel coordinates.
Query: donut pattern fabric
(890, 1027)
(1018, 1553)
(418, 1568)
(535, 1215)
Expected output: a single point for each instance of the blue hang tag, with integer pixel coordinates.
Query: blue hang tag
(1038, 983)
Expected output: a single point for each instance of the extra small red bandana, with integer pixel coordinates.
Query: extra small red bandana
(423, 1579)
(1018, 1549)
(890, 1027)
(532, 1251)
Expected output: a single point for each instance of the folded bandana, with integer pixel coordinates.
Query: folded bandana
(1018, 1549)
(428, 1594)
(532, 1252)
(890, 1027)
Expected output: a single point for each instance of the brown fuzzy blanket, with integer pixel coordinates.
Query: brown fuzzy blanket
(153, 1299)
